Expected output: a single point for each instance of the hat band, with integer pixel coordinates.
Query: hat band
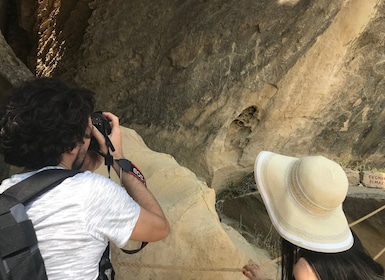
(300, 196)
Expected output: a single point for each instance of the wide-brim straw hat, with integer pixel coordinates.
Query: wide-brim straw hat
(303, 197)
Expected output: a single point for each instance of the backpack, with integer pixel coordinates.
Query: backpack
(20, 256)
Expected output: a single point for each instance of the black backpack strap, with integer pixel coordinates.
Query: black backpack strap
(38, 183)
(105, 265)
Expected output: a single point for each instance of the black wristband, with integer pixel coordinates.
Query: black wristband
(129, 167)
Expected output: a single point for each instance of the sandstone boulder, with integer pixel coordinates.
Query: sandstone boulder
(199, 246)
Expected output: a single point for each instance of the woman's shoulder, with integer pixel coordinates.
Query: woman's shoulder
(303, 270)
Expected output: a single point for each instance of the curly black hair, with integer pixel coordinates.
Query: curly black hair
(44, 119)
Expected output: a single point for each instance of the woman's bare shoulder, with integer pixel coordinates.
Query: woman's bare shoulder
(303, 271)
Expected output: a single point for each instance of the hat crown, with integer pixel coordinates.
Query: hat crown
(318, 184)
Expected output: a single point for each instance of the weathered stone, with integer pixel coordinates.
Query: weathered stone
(12, 69)
(353, 177)
(214, 83)
(199, 246)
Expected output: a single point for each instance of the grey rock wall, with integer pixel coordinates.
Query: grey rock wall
(215, 82)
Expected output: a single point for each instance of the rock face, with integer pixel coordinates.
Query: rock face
(215, 82)
(12, 69)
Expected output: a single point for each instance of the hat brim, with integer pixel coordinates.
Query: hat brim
(321, 233)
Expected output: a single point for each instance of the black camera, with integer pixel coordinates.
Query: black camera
(103, 125)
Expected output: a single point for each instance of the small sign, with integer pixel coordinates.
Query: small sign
(373, 179)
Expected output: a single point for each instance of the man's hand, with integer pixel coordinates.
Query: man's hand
(115, 137)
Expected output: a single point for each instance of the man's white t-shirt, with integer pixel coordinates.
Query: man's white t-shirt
(75, 220)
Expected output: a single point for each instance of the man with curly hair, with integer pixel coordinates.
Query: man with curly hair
(47, 125)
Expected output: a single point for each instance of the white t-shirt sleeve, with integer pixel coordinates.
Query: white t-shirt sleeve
(110, 213)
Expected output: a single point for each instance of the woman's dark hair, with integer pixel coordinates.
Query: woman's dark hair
(354, 263)
(43, 119)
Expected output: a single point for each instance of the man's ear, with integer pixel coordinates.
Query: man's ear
(73, 150)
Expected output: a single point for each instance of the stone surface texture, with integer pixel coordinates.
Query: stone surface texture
(215, 82)
(199, 246)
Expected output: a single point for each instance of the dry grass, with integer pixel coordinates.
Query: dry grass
(254, 236)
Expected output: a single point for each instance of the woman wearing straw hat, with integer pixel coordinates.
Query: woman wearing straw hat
(303, 197)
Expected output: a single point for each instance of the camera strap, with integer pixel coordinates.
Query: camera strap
(128, 167)
(109, 161)
(131, 168)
